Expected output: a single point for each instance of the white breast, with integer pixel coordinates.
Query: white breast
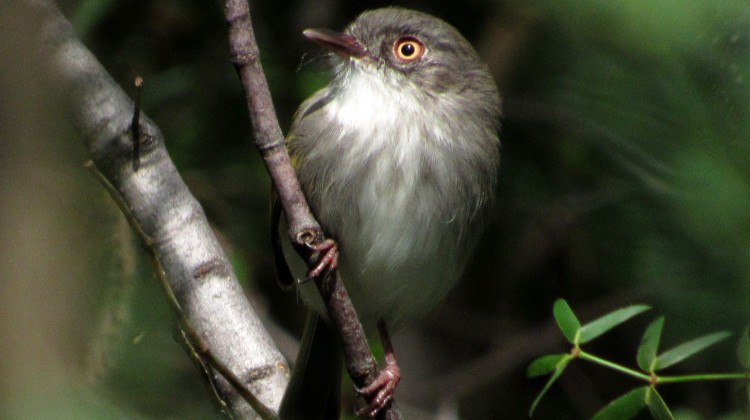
(399, 254)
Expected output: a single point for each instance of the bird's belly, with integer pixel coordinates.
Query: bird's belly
(401, 216)
(399, 257)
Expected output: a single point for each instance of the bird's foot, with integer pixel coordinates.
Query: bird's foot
(328, 252)
(380, 391)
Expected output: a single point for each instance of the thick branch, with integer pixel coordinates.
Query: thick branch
(220, 325)
(304, 230)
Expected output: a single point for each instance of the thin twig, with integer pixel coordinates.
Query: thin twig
(135, 125)
(304, 230)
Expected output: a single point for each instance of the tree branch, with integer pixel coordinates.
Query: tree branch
(304, 230)
(217, 319)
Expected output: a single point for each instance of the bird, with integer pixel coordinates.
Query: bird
(398, 158)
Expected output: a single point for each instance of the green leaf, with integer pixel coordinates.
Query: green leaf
(624, 407)
(566, 320)
(685, 350)
(657, 406)
(559, 368)
(544, 365)
(650, 345)
(605, 323)
(743, 348)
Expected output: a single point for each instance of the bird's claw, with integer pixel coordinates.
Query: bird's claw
(380, 391)
(329, 258)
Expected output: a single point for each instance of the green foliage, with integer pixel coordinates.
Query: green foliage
(649, 360)
(544, 365)
(624, 407)
(650, 345)
(566, 320)
(657, 406)
(577, 334)
(559, 367)
(685, 350)
(600, 326)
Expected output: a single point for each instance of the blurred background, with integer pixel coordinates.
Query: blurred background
(625, 179)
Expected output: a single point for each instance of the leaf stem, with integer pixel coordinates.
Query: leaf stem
(634, 373)
(701, 377)
(661, 379)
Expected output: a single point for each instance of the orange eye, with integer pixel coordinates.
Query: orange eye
(408, 49)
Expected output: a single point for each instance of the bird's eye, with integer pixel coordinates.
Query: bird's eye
(408, 49)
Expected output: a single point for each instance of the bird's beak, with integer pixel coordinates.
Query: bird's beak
(337, 42)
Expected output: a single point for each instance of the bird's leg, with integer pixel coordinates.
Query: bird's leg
(329, 258)
(380, 391)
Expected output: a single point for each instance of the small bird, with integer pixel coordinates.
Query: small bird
(398, 158)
